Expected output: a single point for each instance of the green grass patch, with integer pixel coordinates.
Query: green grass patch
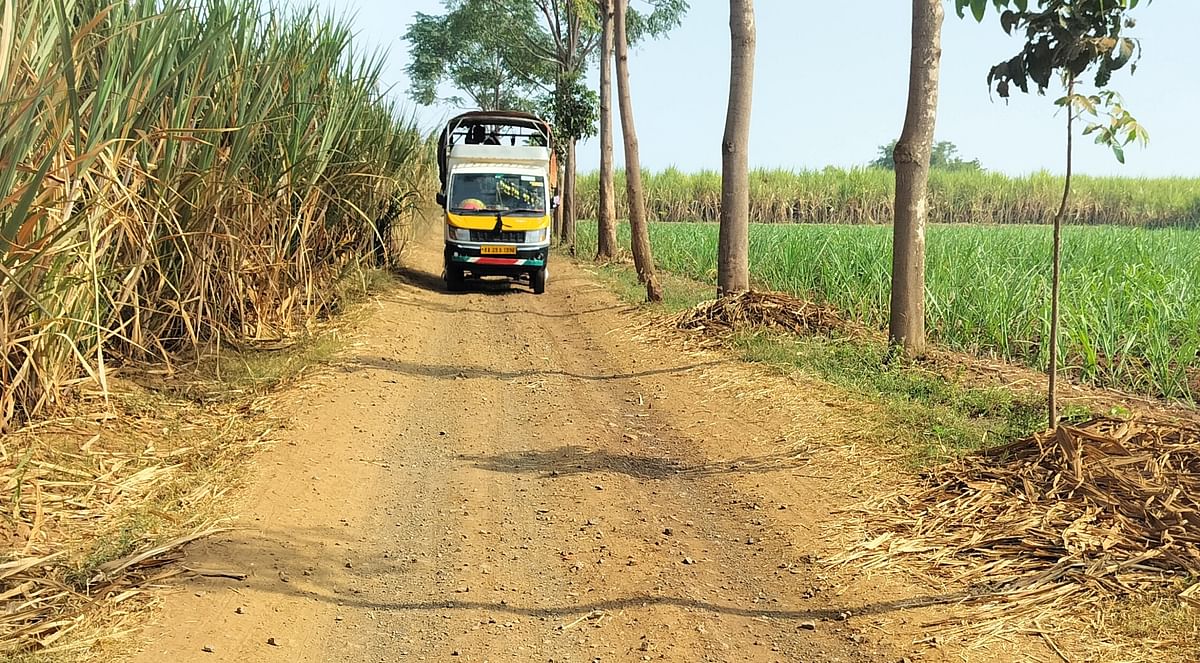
(678, 293)
(1164, 620)
(928, 416)
(1130, 312)
(932, 418)
(231, 375)
(133, 531)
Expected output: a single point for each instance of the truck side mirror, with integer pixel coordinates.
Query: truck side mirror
(440, 198)
(555, 201)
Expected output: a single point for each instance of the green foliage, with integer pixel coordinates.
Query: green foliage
(527, 55)
(1130, 315)
(664, 16)
(574, 109)
(181, 175)
(944, 157)
(1071, 38)
(471, 48)
(568, 34)
(1113, 125)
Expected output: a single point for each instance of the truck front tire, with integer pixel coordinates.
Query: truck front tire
(454, 279)
(537, 280)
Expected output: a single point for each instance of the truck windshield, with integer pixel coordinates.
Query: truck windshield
(498, 192)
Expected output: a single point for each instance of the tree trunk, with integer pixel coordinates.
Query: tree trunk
(907, 325)
(557, 216)
(606, 224)
(643, 260)
(569, 200)
(1056, 268)
(733, 245)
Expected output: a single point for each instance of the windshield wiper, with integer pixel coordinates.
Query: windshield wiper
(527, 210)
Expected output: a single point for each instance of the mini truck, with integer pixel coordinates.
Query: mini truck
(498, 178)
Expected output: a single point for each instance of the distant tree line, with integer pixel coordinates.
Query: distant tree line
(943, 156)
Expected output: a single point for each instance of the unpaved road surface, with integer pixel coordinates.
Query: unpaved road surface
(499, 476)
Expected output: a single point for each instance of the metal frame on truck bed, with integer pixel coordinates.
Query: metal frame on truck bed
(499, 177)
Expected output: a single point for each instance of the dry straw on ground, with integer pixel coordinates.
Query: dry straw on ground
(95, 509)
(763, 310)
(1053, 524)
(1037, 535)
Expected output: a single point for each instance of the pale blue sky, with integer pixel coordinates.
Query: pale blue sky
(831, 80)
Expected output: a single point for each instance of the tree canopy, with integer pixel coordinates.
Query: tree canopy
(522, 54)
(471, 48)
(1070, 38)
(1067, 36)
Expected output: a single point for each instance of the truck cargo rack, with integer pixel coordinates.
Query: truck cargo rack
(495, 128)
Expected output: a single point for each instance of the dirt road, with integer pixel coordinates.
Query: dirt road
(496, 476)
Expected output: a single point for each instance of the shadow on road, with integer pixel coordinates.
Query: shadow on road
(318, 576)
(424, 280)
(570, 460)
(650, 600)
(464, 372)
(453, 310)
(431, 282)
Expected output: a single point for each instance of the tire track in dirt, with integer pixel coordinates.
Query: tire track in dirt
(501, 476)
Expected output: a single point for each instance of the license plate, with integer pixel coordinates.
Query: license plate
(498, 250)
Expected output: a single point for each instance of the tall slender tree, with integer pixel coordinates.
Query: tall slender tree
(528, 55)
(643, 260)
(572, 109)
(1067, 39)
(906, 326)
(733, 245)
(1056, 265)
(569, 38)
(606, 238)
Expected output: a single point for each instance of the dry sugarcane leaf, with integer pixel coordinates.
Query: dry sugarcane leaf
(1106, 508)
(111, 569)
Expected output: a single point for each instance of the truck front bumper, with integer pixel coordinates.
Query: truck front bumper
(469, 257)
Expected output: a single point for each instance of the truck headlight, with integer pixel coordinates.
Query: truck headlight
(537, 236)
(459, 234)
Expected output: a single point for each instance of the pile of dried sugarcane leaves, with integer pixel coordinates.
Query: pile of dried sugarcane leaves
(763, 310)
(1056, 522)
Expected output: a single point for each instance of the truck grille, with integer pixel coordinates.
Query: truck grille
(509, 236)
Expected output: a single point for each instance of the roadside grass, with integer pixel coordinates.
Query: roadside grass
(231, 374)
(931, 415)
(169, 454)
(928, 418)
(679, 293)
(1151, 622)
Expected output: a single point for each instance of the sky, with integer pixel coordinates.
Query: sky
(831, 81)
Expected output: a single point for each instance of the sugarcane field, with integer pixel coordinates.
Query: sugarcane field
(599, 331)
